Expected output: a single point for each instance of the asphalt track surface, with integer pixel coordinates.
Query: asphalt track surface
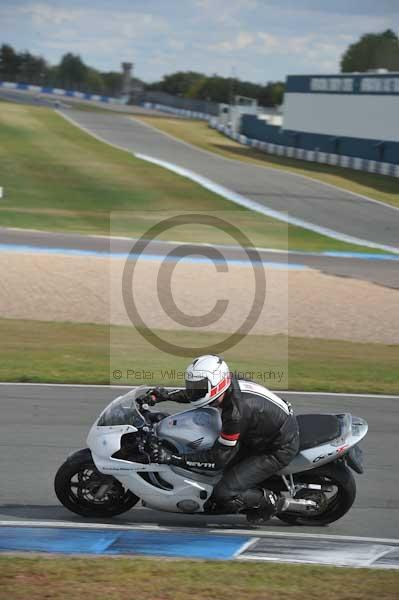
(381, 271)
(14, 96)
(41, 425)
(302, 198)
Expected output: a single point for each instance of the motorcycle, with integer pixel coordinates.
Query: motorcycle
(110, 476)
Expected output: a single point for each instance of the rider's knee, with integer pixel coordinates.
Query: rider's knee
(222, 493)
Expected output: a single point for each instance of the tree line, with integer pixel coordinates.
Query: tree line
(194, 85)
(371, 51)
(71, 73)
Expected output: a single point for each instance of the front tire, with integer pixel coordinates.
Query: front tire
(81, 488)
(337, 475)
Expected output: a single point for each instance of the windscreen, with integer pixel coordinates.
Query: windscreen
(122, 411)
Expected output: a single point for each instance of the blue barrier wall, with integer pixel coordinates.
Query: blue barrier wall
(58, 92)
(378, 150)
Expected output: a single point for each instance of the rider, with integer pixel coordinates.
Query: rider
(259, 436)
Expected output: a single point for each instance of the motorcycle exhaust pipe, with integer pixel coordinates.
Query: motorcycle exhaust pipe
(298, 505)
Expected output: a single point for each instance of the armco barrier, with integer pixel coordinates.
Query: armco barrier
(193, 104)
(180, 112)
(350, 162)
(58, 92)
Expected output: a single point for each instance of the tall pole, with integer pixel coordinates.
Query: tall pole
(231, 86)
(127, 78)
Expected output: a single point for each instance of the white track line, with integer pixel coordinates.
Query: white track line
(317, 536)
(304, 253)
(91, 133)
(133, 117)
(338, 394)
(262, 209)
(239, 199)
(72, 525)
(69, 385)
(374, 559)
(299, 561)
(259, 164)
(245, 547)
(124, 387)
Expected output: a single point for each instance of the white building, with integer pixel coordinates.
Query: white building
(351, 105)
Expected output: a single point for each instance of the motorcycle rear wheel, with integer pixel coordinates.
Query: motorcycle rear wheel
(77, 483)
(336, 475)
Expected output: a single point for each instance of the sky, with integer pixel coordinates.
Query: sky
(255, 40)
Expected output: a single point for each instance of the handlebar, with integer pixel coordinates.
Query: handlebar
(147, 399)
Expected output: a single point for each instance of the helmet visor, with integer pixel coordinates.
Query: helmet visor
(196, 389)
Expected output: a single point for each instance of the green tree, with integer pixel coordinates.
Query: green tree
(94, 82)
(195, 89)
(215, 89)
(72, 72)
(265, 97)
(32, 69)
(223, 89)
(112, 83)
(52, 76)
(277, 93)
(177, 84)
(372, 51)
(9, 63)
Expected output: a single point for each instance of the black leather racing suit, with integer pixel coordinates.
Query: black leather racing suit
(259, 437)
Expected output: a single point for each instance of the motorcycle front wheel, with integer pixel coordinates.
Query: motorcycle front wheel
(81, 488)
(334, 504)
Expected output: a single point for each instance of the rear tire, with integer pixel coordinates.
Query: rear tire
(335, 474)
(77, 481)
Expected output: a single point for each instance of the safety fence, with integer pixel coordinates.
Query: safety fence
(58, 92)
(350, 162)
(206, 107)
(179, 112)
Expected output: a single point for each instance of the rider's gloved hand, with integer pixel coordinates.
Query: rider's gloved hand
(163, 456)
(158, 394)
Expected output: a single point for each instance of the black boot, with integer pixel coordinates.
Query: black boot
(230, 507)
(270, 505)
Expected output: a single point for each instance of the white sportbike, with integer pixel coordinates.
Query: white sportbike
(115, 472)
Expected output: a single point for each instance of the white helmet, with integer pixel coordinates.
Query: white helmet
(207, 378)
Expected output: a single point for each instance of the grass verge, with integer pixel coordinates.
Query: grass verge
(56, 177)
(36, 351)
(37, 578)
(378, 187)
